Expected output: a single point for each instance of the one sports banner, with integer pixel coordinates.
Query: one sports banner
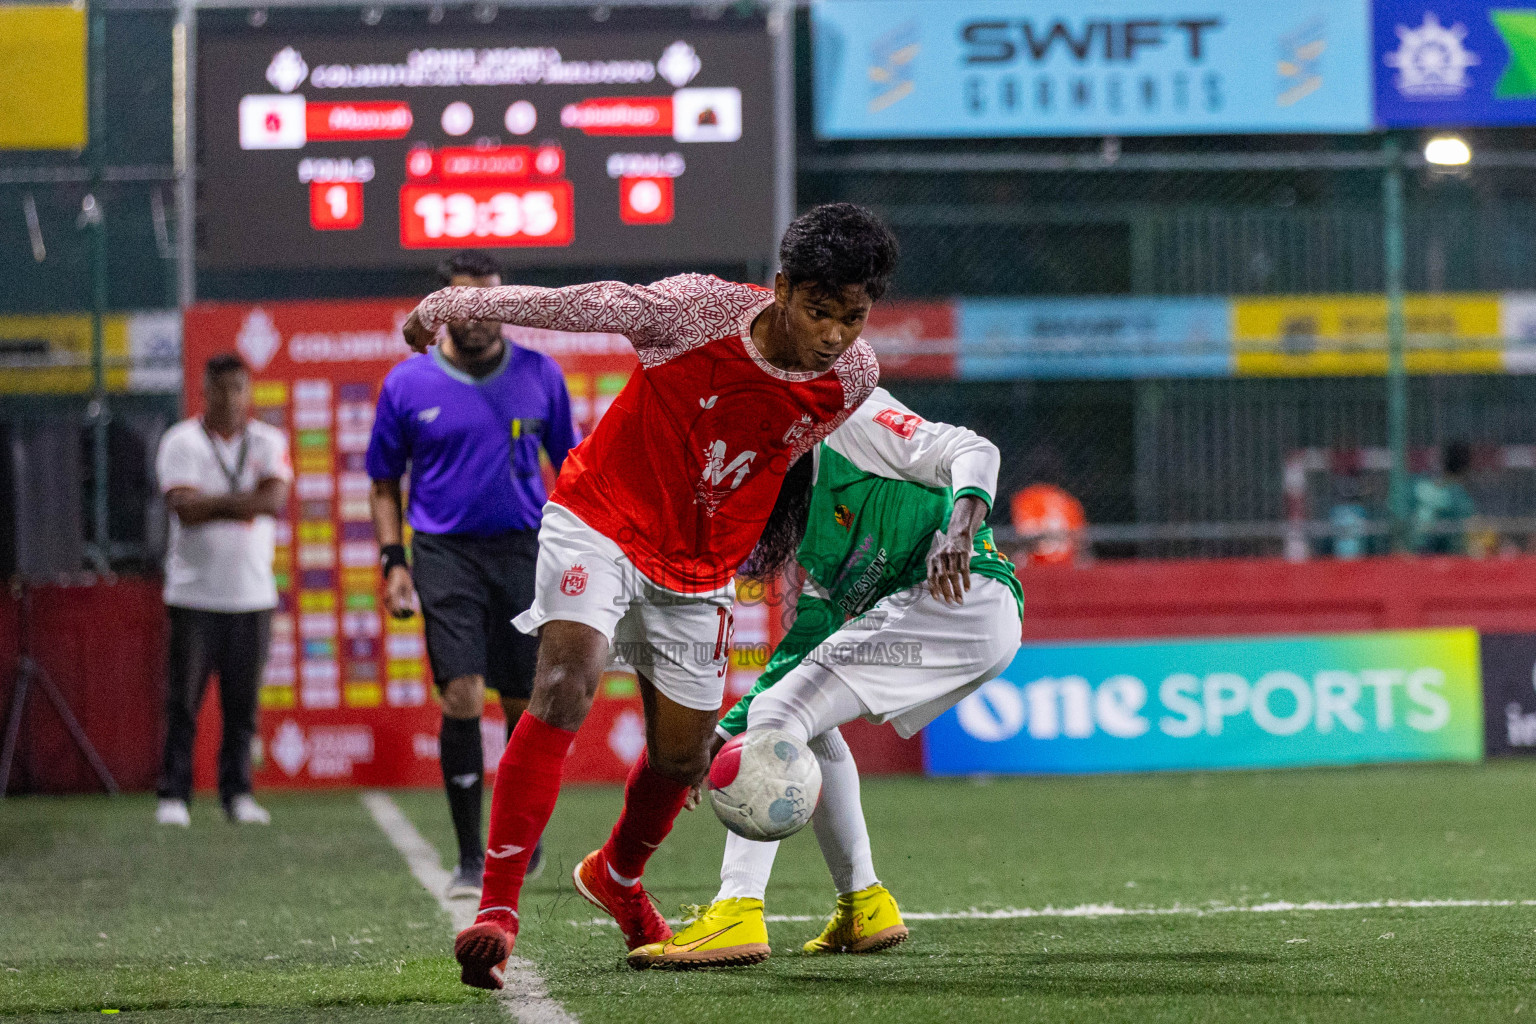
(1348, 698)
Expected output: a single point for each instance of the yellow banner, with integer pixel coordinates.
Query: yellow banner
(1310, 335)
(42, 49)
(51, 353)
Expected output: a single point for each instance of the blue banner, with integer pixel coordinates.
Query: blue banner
(1003, 339)
(987, 68)
(1240, 703)
(1454, 62)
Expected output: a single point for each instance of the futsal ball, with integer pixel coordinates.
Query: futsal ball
(764, 785)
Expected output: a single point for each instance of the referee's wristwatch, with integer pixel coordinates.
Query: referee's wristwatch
(391, 555)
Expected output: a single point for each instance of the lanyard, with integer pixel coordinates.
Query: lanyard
(232, 475)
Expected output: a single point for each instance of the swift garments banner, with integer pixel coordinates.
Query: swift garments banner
(990, 68)
(347, 697)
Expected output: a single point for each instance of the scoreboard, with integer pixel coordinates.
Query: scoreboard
(552, 143)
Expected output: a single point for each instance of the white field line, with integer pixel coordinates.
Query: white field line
(1091, 910)
(526, 998)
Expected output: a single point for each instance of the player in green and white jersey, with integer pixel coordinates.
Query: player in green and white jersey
(906, 608)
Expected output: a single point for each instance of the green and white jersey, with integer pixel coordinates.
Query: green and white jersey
(884, 483)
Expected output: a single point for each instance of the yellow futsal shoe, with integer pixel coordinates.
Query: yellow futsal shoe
(866, 921)
(727, 933)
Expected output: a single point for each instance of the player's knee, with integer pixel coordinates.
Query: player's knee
(463, 697)
(562, 694)
(685, 764)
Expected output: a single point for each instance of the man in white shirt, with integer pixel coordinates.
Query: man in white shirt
(224, 477)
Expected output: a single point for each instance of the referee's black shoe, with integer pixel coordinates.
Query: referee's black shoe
(465, 883)
(535, 863)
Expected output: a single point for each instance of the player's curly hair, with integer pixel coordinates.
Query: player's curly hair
(781, 537)
(835, 245)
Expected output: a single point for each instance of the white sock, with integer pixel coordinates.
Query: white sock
(745, 870)
(839, 819)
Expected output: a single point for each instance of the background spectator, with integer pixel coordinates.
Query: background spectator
(1354, 510)
(1055, 518)
(1442, 501)
(224, 476)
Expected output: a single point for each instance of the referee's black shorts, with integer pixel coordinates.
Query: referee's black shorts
(471, 588)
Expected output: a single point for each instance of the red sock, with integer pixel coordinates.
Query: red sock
(652, 803)
(527, 785)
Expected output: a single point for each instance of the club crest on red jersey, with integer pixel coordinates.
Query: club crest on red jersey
(573, 582)
(903, 425)
(797, 429)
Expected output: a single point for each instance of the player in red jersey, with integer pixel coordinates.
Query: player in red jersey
(677, 488)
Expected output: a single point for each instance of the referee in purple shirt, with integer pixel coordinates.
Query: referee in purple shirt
(466, 421)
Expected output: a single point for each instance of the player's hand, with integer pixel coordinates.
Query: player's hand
(417, 334)
(696, 794)
(949, 567)
(400, 593)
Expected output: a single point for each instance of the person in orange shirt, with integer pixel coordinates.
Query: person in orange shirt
(1047, 509)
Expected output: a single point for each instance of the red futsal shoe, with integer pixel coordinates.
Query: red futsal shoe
(482, 950)
(631, 906)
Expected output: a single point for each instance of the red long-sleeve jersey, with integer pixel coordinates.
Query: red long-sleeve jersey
(683, 470)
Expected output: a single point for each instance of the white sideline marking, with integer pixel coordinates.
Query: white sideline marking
(526, 997)
(1112, 910)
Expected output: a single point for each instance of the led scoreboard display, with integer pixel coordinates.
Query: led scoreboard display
(555, 143)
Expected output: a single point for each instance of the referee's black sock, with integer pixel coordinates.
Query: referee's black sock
(463, 775)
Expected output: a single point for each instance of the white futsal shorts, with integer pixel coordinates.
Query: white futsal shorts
(681, 642)
(912, 657)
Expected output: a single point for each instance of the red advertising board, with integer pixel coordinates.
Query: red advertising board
(347, 697)
(914, 339)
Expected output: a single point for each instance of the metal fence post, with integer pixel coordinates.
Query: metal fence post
(781, 25)
(1397, 374)
(183, 117)
(94, 215)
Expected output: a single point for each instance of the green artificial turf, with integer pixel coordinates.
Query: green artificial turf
(215, 903)
(102, 908)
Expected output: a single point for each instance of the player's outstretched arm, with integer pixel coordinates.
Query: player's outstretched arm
(887, 439)
(674, 312)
